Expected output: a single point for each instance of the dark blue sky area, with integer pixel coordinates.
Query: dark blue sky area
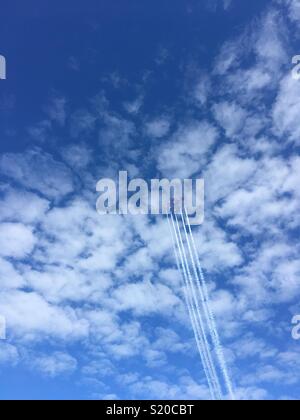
(40, 40)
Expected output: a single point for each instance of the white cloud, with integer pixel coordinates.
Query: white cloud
(267, 199)
(8, 354)
(188, 150)
(185, 389)
(144, 298)
(270, 43)
(229, 56)
(251, 81)
(56, 110)
(202, 90)
(286, 110)
(55, 364)
(272, 274)
(64, 284)
(252, 394)
(158, 127)
(250, 346)
(30, 317)
(38, 171)
(78, 156)
(139, 262)
(133, 107)
(265, 42)
(40, 131)
(294, 10)
(169, 341)
(102, 279)
(117, 135)
(16, 240)
(82, 239)
(222, 180)
(9, 277)
(231, 117)
(22, 206)
(82, 123)
(217, 251)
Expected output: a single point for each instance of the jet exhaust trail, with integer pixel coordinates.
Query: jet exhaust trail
(198, 312)
(211, 317)
(196, 322)
(199, 308)
(198, 337)
(191, 309)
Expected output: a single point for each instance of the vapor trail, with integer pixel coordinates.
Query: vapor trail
(191, 310)
(203, 289)
(202, 298)
(197, 331)
(190, 286)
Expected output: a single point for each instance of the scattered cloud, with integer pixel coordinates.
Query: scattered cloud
(56, 364)
(102, 294)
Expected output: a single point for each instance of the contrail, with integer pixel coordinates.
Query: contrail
(199, 317)
(203, 289)
(197, 313)
(191, 310)
(190, 304)
(202, 324)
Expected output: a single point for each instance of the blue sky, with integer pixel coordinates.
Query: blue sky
(94, 305)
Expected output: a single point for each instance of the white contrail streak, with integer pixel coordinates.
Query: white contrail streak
(202, 298)
(203, 289)
(197, 330)
(191, 310)
(192, 314)
(190, 285)
(212, 368)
